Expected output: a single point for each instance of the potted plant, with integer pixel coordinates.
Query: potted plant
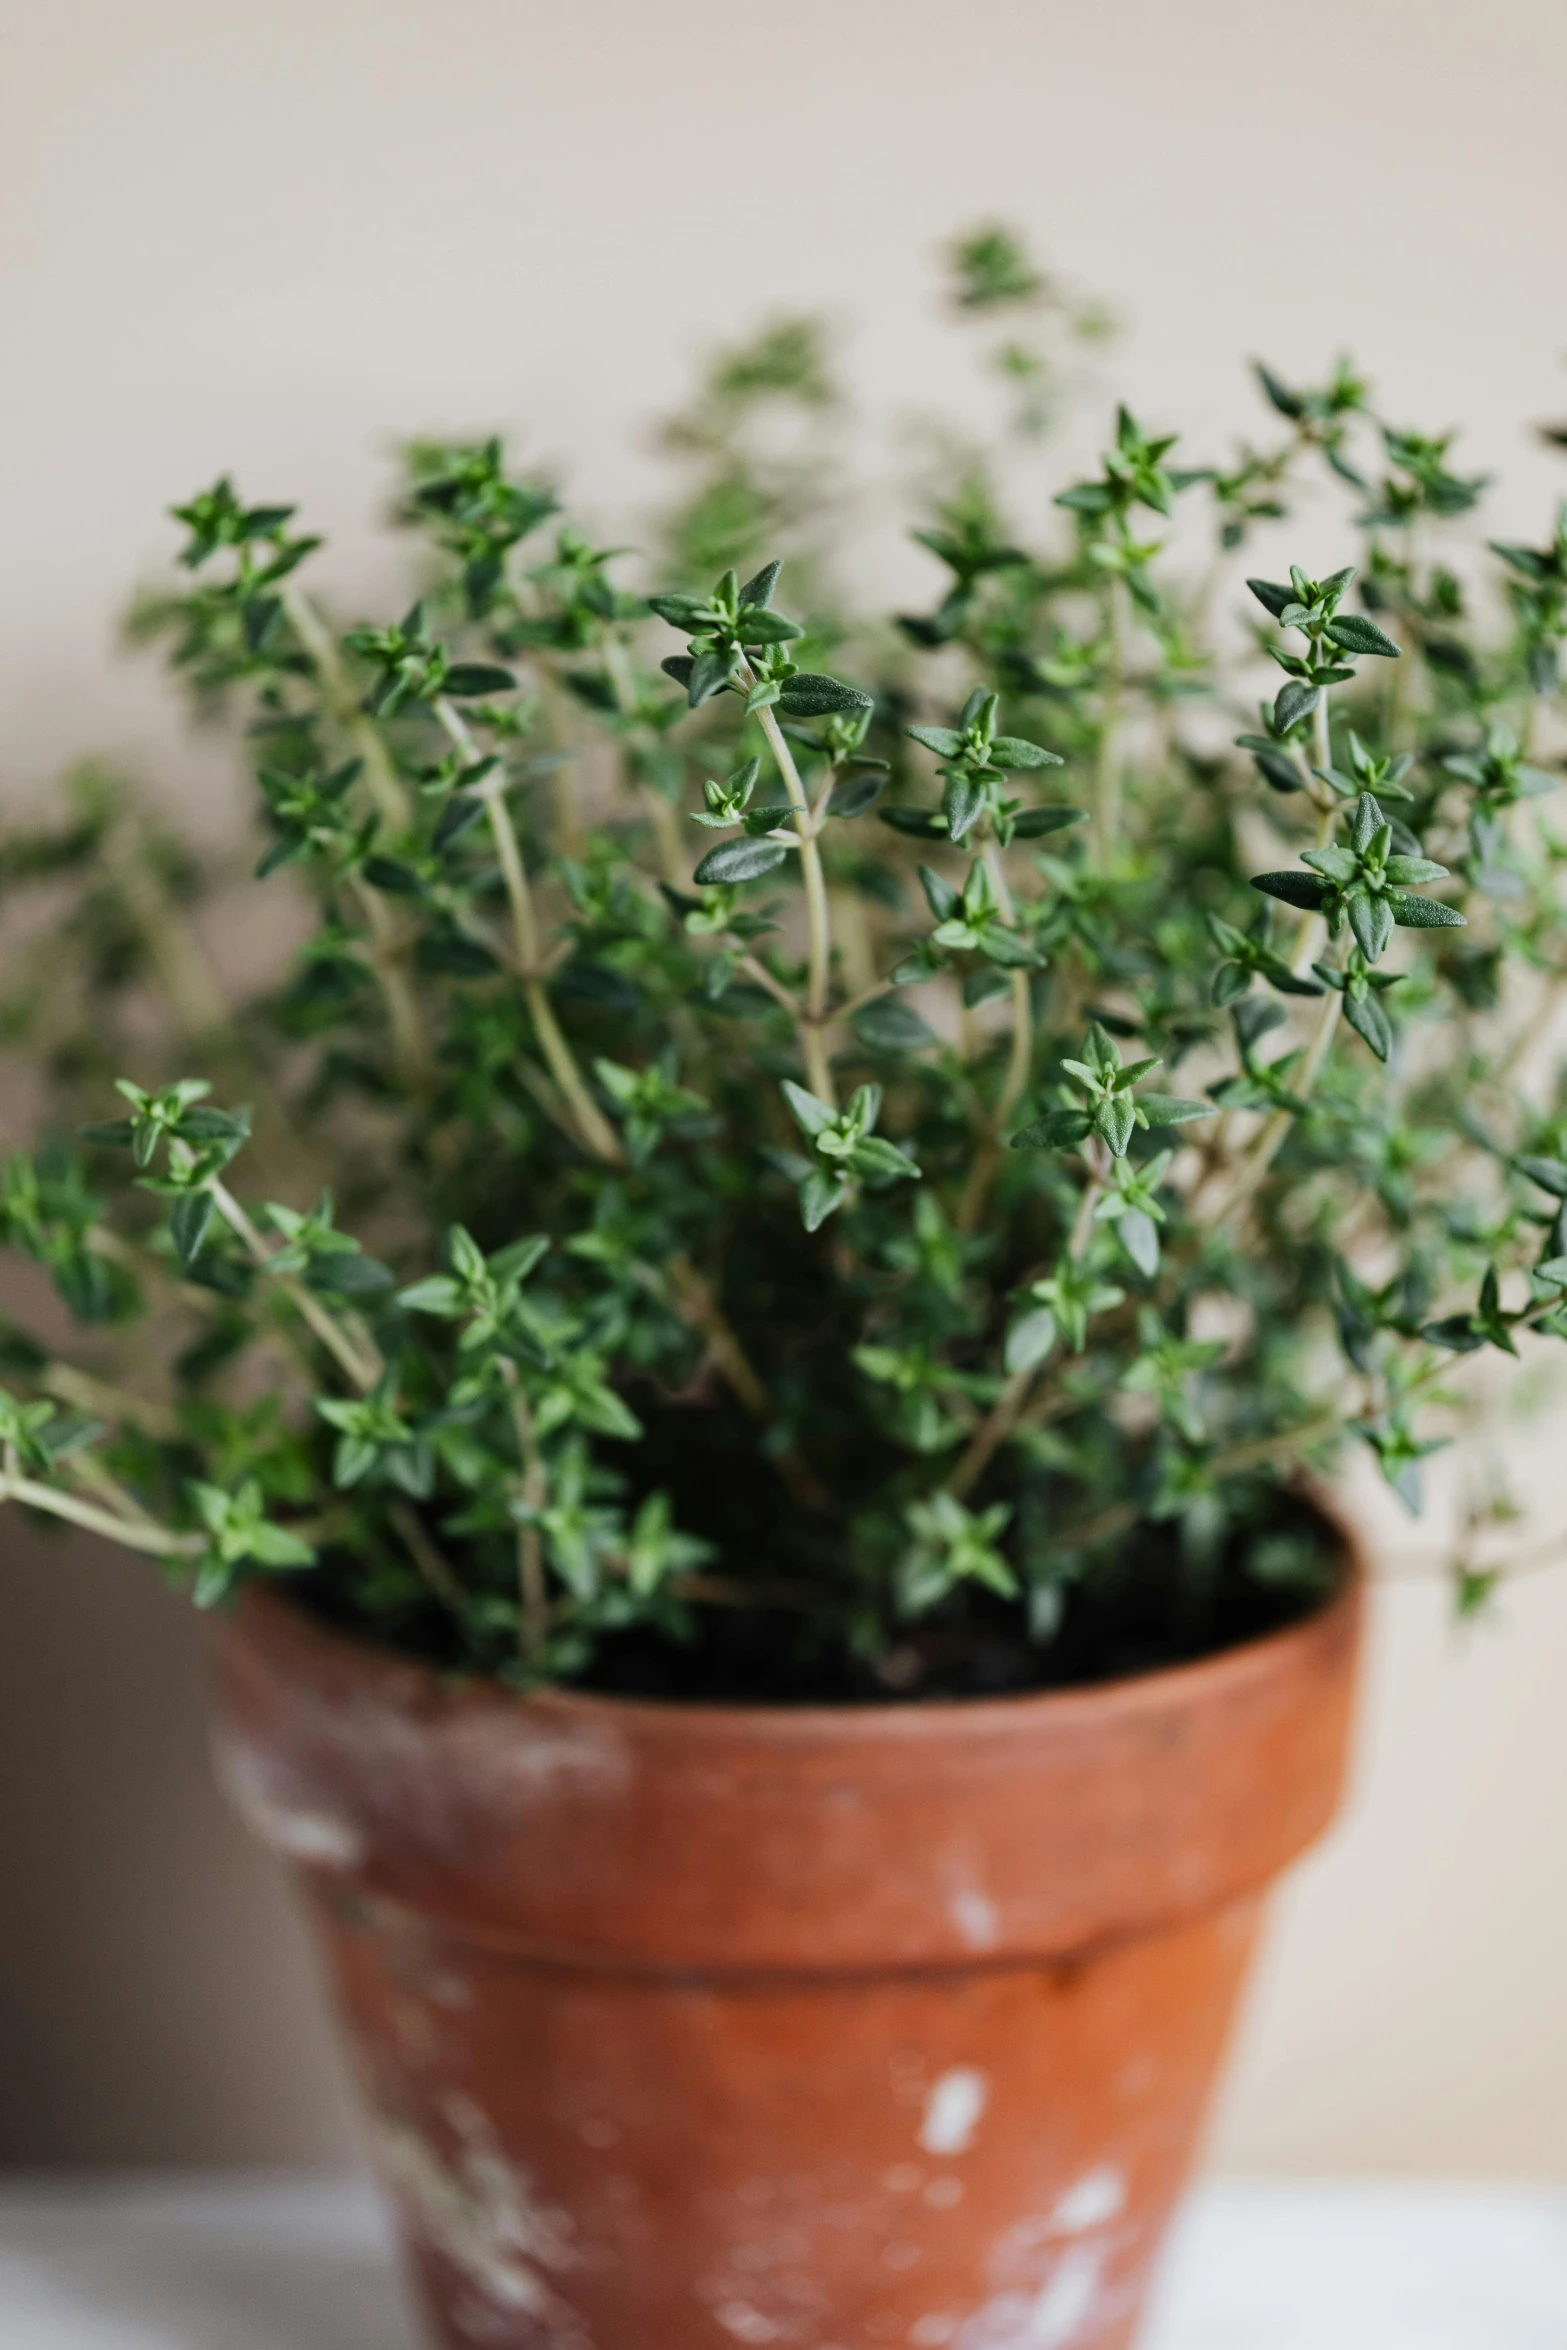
(747, 1391)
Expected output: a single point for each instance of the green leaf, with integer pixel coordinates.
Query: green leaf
(461, 812)
(601, 1409)
(1295, 701)
(1305, 890)
(685, 612)
(275, 1546)
(348, 1273)
(1003, 946)
(1034, 823)
(820, 1195)
(1115, 1122)
(203, 1125)
(467, 680)
(739, 860)
(962, 804)
(1139, 1236)
(1353, 634)
(1271, 595)
(1412, 913)
(918, 823)
(1086, 497)
(1371, 920)
(1278, 771)
(811, 1115)
(190, 1219)
(391, 875)
(1168, 1109)
(942, 899)
(1057, 1130)
(768, 816)
(1029, 1340)
(874, 1155)
(438, 1293)
(940, 739)
(758, 627)
(807, 695)
(984, 984)
(1549, 1174)
(759, 589)
(1456, 1332)
(1012, 752)
(708, 675)
(888, 1025)
(853, 795)
(1368, 1018)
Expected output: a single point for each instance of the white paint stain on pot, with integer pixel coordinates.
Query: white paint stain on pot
(746, 2323)
(1056, 2317)
(481, 2213)
(301, 1831)
(1091, 2202)
(953, 2110)
(1095, 2199)
(450, 1990)
(976, 1917)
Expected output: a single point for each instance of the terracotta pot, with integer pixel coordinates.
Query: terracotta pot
(683, 2026)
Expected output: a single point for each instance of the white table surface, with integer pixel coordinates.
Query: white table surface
(305, 2264)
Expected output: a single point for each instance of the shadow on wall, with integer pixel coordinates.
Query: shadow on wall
(138, 1926)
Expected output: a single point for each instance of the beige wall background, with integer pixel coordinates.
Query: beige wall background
(265, 240)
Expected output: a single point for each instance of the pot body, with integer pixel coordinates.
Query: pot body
(681, 2027)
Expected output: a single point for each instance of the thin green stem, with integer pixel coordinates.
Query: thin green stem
(991, 1433)
(1083, 1222)
(668, 838)
(697, 1302)
(364, 1369)
(1020, 1061)
(1020, 1058)
(755, 969)
(427, 1556)
(410, 1045)
(1005, 1413)
(1258, 1452)
(1106, 826)
(69, 1385)
(1263, 1150)
(532, 1586)
(1260, 1154)
(130, 1533)
(867, 995)
(1313, 930)
(384, 783)
(593, 1128)
(813, 1038)
(184, 973)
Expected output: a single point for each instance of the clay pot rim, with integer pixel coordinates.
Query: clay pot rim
(914, 1719)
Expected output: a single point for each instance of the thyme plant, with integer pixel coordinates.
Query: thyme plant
(801, 1153)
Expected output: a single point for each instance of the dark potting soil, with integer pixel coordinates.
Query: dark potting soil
(1143, 1607)
(1147, 1609)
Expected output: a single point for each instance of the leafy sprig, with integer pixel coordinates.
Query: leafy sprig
(784, 1254)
